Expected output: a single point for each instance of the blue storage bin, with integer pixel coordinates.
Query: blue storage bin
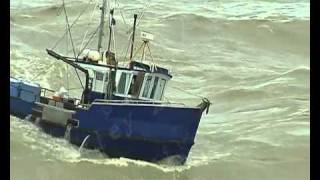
(14, 91)
(27, 91)
(28, 96)
(15, 82)
(32, 87)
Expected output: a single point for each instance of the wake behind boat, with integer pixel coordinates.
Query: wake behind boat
(121, 111)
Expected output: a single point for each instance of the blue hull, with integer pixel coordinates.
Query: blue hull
(123, 146)
(147, 132)
(139, 131)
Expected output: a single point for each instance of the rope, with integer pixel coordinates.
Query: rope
(67, 20)
(85, 35)
(131, 29)
(92, 36)
(137, 50)
(73, 49)
(150, 54)
(126, 53)
(121, 13)
(79, 78)
(142, 12)
(45, 70)
(67, 67)
(139, 19)
(74, 22)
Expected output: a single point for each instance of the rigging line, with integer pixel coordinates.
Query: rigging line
(65, 12)
(140, 17)
(90, 21)
(73, 23)
(129, 44)
(59, 11)
(150, 53)
(153, 63)
(89, 34)
(131, 29)
(142, 12)
(44, 71)
(126, 53)
(137, 51)
(74, 69)
(92, 36)
(67, 69)
(74, 52)
(121, 13)
(79, 78)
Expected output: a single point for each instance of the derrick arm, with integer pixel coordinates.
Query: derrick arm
(71, 63)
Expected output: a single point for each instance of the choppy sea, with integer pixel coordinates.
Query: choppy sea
(249, 57)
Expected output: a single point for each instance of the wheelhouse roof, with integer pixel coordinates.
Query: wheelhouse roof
(137, 66)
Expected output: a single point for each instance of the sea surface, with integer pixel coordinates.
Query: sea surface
(249, 57)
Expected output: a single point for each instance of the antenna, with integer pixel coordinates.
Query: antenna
(146, 37)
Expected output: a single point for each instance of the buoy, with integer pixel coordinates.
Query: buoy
(94, 55)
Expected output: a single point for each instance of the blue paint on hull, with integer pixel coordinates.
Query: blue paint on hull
(150, 122)
(146, 132)
(122, 147)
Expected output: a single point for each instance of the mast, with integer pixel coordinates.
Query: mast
(103, 8)
(112, 22)
(134, 30)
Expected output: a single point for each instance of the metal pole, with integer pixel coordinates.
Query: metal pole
(133, 32)
(110, 28)
(101, 24)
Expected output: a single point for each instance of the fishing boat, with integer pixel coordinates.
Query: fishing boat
(121, 111)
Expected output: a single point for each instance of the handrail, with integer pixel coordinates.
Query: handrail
(137, 102)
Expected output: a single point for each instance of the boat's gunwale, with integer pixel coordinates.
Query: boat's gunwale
(173, 105)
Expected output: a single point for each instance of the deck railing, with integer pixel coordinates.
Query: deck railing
(44, 93)
(136, 102)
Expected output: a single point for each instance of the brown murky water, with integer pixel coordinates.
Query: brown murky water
(251, 58)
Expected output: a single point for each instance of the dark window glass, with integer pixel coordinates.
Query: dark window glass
(146, 87)
(161, 88)
(154, 87)
(99, 76)
(122, 83)
(132, 85)
(107, 77)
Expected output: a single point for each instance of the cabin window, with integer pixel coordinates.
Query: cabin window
(154, 87)
(146, 87)
(162, 84)
(123, 83)
(98, 84)
(99, 76)
(132, 89)
(106, 77)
